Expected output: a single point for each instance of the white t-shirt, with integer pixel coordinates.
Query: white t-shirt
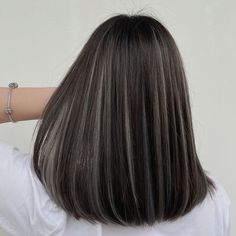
(26, 209)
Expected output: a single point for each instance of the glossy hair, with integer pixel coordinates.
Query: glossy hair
(115, 142)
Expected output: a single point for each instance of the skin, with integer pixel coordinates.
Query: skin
(27, 103)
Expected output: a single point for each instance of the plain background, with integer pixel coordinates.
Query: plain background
(40, 40)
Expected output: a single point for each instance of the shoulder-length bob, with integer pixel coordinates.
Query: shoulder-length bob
(115, 142)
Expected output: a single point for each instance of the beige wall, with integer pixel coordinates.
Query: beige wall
(39, 40)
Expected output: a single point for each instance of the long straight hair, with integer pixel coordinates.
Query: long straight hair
(115, 142)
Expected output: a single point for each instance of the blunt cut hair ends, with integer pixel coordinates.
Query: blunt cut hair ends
(115, 142)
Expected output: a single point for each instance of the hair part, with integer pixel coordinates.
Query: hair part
(115, 142)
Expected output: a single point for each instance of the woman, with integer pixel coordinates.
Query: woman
(115, 151)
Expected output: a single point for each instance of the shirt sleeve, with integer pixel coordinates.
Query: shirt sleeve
(13, 188)
(226, 208)
(228, 216)
(25, 207)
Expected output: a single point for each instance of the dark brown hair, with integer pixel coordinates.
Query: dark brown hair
(115, 142)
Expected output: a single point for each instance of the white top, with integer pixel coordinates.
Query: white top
(26, 209)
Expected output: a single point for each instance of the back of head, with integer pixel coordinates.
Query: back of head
(115, 143)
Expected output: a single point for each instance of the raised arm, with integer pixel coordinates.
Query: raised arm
(27, 103)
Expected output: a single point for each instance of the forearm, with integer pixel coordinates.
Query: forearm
(27, 103)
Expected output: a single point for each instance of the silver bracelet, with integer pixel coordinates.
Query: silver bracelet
(8, 110)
